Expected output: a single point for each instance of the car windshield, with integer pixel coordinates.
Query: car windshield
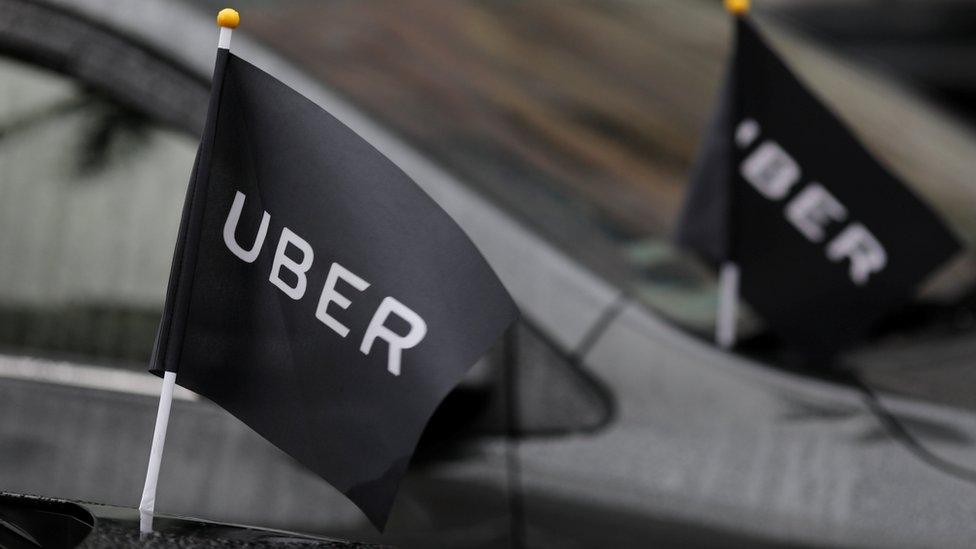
(587, 132)
(588, 143)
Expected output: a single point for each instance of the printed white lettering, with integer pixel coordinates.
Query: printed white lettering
(298, 268)
(771, 170)
(285, 257)
(746, 133)
(774, 173)
(866, 254)
(397, 343)
(230, 231)
(812, 209)
(330, 295)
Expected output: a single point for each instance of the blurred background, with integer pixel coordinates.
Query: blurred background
(560, 135)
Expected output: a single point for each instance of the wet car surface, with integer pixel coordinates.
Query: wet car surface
(632, 427)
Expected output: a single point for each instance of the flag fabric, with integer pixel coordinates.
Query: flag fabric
(826, 239)
(317, 293)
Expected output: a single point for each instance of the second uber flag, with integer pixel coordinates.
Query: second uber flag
(826, 239)
(317, 293)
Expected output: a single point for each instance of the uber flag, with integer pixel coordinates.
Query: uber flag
(316, 292)
(826, 239)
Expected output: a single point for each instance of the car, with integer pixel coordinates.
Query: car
(559, 139)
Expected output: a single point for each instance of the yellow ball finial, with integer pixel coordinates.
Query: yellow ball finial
(737, 7)
(228, 18)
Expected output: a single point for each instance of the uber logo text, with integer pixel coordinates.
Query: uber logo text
(377, 328)
(774, 173)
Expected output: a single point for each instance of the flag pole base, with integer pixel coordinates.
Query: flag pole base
(728, 304)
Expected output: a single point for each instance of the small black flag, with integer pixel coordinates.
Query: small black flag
(826, 239)
(316, 292)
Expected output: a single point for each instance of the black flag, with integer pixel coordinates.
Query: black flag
(826, 239)
(317, 293)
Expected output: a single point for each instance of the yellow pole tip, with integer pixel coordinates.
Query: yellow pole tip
(737, 7)
(228, 18)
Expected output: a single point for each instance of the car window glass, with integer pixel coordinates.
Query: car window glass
(91, 199)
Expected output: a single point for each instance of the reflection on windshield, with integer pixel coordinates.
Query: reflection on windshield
(91, 198)
(583, 122)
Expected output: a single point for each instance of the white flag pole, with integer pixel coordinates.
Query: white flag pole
(728, 304)
(148, 503)
(228, 20)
